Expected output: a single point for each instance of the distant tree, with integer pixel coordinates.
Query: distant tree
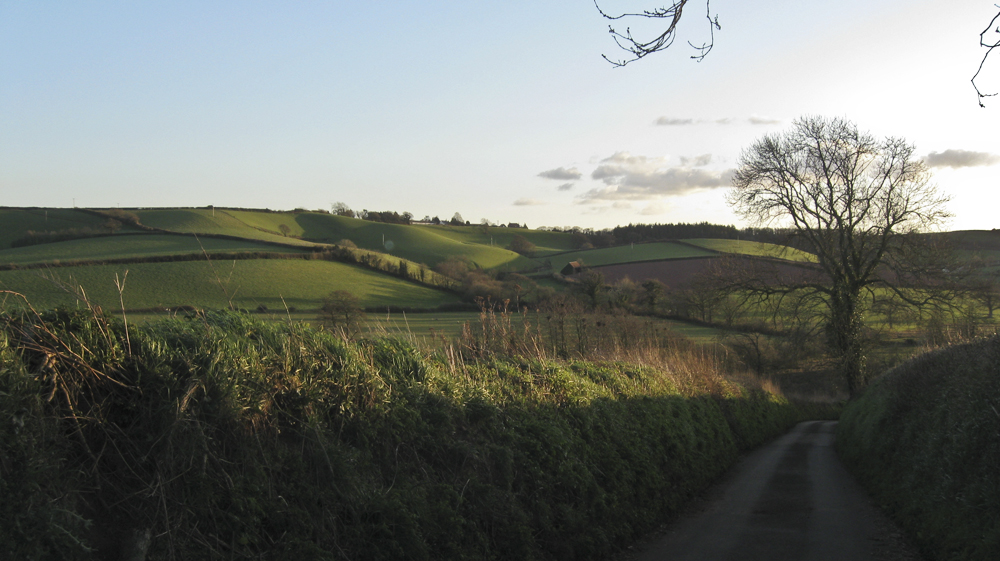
(984, 286)
(591, 286)
(520, 244)
(653, 291)
(341, 209)
(858, 203)
(285, 230)
(347, 243)
(342, 310)
(457, 220)
(484, 226)
(581, 240)
(435, 220)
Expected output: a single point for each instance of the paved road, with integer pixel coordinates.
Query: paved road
(790, 500)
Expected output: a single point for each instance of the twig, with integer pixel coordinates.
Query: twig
(121, 300)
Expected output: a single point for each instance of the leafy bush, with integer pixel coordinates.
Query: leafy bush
(925, 440)
(222, 436)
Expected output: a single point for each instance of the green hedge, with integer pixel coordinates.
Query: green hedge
(228, 437)
(925, 441)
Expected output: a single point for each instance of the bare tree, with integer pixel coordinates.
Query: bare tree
(342, 311)
(989, 48)
(639, 48)
(859, 204)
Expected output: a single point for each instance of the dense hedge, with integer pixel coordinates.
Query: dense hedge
(925, 441)
(224, 437)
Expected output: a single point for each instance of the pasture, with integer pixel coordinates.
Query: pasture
(121, 246)
(756, 249)
(246, 283)
(546, 242)
(16, 222)
(209, 221)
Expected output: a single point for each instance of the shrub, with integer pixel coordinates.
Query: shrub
(924, 440)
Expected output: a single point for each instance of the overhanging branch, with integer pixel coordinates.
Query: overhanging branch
(639, 48)
(989, 49)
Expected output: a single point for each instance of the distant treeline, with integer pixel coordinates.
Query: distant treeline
(587, 238)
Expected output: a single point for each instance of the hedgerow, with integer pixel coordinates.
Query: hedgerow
(221, 436)
(925, 440)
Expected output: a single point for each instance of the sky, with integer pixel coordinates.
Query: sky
(504, 111)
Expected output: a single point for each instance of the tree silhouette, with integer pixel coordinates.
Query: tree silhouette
(858, 203)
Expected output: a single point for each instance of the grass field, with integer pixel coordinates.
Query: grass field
(251, 283)
(130, 246)
(15, 222)
(759, 249)
(628, 254)
(417, 243)
(545, 241)
(208, 221)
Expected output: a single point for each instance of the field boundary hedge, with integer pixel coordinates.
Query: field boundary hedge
(925, 441)
(262, 440)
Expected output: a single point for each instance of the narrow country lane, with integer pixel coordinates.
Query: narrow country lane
(790, 500)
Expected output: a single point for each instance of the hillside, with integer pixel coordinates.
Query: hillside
(245, 283)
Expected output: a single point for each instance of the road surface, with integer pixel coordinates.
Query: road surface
(789, 500)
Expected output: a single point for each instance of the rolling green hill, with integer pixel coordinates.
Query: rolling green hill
(545, 241)
(209, 221)
(16, 222)
(250, 283)
(129, 246)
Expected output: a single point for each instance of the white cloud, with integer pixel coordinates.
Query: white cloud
(961, 159)
(673, 121)
(528, 202)
(562, 174)
(752, 119)
(641, 178)
(653, 209)
(757, 120)
(566, 186)
(697, 161)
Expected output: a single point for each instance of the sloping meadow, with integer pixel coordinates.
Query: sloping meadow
(223, 437)
(925, 440)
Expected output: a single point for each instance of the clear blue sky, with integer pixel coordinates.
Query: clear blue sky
(497, 110)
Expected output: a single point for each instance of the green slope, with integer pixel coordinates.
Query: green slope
(629, 254)
(130, 246)
(417, 243)
(15, 222)
(250, 283)
(759, 249)
(545, 242)
(208, 221)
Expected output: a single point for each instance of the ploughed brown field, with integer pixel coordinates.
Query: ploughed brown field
(679, 273)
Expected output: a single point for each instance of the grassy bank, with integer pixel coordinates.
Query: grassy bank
(244, 283)
(925, 441)
(222, 436)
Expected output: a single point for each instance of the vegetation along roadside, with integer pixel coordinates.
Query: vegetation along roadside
(222, 436)
(925, 441)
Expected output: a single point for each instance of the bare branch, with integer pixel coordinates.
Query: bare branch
(639, 48)
(989, 49)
